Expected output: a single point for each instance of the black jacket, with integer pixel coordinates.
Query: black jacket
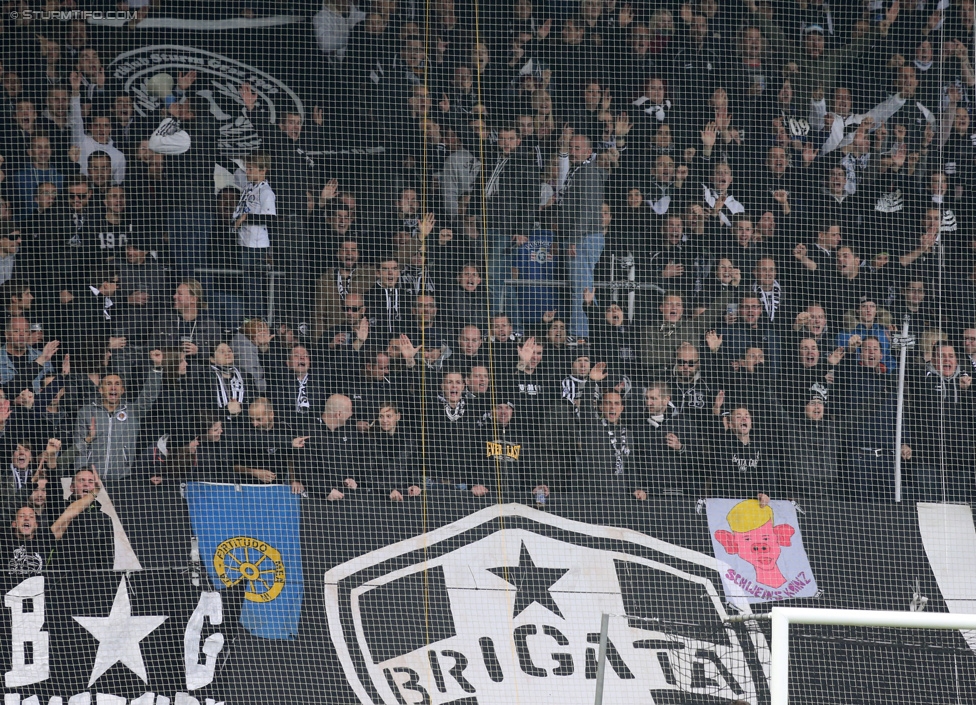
(512, 186)
(742, 471)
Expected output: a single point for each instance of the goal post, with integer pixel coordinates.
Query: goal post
(783, 617)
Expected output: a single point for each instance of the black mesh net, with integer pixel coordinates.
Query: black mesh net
(370, 351)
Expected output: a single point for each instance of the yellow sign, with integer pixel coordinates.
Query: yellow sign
(511, 450)
(257, 563)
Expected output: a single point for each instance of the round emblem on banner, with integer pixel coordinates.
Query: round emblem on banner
(148, 74)
(257, 563)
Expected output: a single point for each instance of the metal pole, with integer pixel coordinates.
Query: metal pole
(876, 618)
(779, 665)
(271, 296)
(784, 616)
(602, 659)
(903, 342)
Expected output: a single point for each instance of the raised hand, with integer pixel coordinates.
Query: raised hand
(622, 125)
(25, 399)
(709, 135)
(719, 402)
(599, 372)
(526, 351)
(426, 225)
(49, 349)
(362, 330)
(713, 340)
(408, 349)
(626, 16)
(330, 190)
(185, 80)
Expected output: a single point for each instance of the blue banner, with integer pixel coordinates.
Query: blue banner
(249, 534)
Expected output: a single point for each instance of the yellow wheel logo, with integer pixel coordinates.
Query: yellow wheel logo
(255, 562)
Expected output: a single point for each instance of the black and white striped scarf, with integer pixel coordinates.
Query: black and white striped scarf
(452, 414)
(573, 388)
(236, 390)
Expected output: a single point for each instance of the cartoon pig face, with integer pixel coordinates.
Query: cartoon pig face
(759, 547)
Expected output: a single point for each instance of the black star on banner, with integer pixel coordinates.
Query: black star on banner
(531, 582)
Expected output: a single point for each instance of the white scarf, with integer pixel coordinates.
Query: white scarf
(655, 110)
(393, 305)
(711, 196)
(655, 420)
(106, 305)
(301, 399)
(769, 299)
(496, 176)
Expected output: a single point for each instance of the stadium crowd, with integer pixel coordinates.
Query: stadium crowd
(633, 248)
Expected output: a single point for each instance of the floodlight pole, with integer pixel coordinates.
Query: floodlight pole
(602, 659)
(782, 617)
(901, 343)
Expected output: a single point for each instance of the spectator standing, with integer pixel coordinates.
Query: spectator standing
(188, 138)
(255, 211)
(581, 189)
(106, 432)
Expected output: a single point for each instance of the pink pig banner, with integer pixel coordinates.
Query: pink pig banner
(763, 549)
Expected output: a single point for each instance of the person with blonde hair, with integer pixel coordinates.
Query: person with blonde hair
(191, 328)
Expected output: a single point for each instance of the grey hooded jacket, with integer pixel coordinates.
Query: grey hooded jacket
(113, 449)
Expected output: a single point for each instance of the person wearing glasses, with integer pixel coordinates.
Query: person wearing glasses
(75, 225)
(969, 347)
(691, 390)
(351, 333)
(671, 328)
(335, 286)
